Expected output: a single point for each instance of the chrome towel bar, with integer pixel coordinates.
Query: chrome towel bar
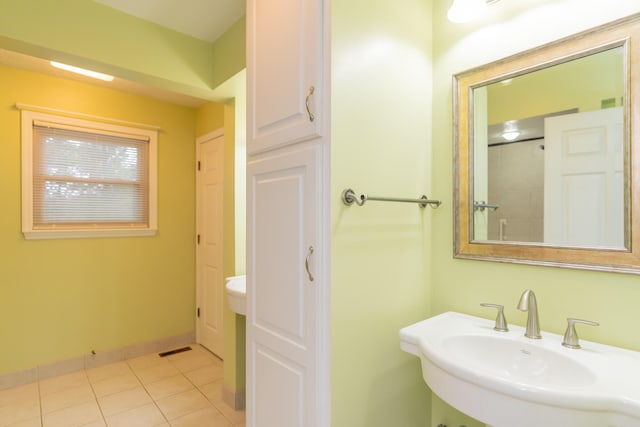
(349, 197)
(481, 205)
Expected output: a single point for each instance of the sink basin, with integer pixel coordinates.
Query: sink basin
(513, 360)
(236, 290)
(505, 380)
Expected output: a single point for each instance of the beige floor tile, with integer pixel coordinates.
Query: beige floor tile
(19, 404)
(73, 396)
(195, 359)
(57, 384)
(74, 416)
(32, 422)
(144, 416)
(186, 387)
(207, 417)
(212, 391)
(18, 413)
(145, 361)
(236, 417)
(195, 349)
(206, 374)
(108, 371)
(115, 384)
(168, 386)
(124, 401)
(182, 404)
(156, 372)
(27, 393)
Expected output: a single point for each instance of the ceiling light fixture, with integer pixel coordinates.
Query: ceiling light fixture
(462, 11)
(82, 71)
(511, 131)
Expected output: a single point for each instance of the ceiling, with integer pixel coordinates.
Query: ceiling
(203, 19)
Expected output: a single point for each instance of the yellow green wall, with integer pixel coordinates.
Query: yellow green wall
(461, 285)
(580, 84)
(380, 267)
(84, 33)
(229, 53)
(90, 35)
(64, 298)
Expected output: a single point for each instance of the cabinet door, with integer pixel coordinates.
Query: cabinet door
(283, 284)
(284, 72)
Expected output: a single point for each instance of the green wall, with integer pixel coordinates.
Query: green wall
(461, 285)
(581, 84)
(90, 35)
(64, 298)
(229, 53)
(380, 267)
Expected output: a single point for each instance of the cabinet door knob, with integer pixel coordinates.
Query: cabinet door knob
(306, 103)
(306, 263)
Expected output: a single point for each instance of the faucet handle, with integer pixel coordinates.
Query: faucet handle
(571, 339)
(501, 321)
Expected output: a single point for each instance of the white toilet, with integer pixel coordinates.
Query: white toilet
(236, 290)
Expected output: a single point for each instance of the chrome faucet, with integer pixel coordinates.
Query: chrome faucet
(528, 303)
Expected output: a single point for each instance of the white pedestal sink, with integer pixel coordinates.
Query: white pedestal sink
(506, 380)
(236, 291)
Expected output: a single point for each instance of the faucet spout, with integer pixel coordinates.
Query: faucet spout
(529, 303)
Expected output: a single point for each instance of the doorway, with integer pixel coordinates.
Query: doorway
(209, 242)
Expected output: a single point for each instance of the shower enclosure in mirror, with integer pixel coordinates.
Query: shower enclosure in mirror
(545, 172)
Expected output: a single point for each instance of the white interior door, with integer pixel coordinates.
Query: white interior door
(209, 248)
(584, 179)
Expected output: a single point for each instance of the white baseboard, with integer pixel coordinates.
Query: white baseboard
(235, 399)
(93, 360)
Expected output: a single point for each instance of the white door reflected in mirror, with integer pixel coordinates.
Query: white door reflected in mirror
(584, 179)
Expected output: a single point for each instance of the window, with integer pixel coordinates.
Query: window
(86, 179)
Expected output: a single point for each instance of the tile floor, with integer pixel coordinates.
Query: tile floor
(180, 390)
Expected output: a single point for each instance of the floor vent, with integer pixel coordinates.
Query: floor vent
(176, 351)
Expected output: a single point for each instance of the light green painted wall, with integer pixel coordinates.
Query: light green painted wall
(64, 298)
(87, 34)
(581, 84)
(229, 53)
(90, 35)
(380, 144)
(461, 285)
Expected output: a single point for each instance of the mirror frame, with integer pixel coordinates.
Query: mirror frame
(624, 32)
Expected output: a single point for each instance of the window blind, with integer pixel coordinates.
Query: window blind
(89, 179)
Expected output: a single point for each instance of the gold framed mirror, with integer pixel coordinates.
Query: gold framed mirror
(546, 168)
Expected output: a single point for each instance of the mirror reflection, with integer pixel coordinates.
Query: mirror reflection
(549, 149)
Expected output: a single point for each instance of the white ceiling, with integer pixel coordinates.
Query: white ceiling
(203, 19)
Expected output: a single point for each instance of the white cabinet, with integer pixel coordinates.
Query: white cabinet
(284, 72)
(287, 214)
(284, 284)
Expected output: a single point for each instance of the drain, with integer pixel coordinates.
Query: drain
(176, 351)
